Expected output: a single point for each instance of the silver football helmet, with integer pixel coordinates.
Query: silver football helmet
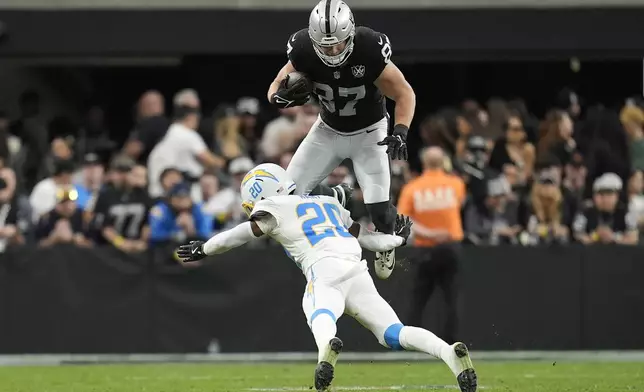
(331, 28)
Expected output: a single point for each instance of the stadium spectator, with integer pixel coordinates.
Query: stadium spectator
(498, 113)
(179, 219)
(228, 136)
(275, 139)
(555, 137)
(285, 159)
(94, 135)
(548, 220)
(10, 232)
(604, 145)
(434, 201)
(496, 221)
(168, 179)
(120, 215)
(248, 110)
(43, 198)
(512, 154)
(635, 197)
(339, 175)
(63, 224)
(575, 173)
(5, 152)
(33, 134)
(151, 126)
(606, 219)
(473, 167)
(182, 147)
(91, 180)
(232, 196)
(632, 118)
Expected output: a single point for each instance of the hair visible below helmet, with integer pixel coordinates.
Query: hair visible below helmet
(331, 23)
(265, 180)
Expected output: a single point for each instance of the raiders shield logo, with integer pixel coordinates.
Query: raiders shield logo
(357, 71)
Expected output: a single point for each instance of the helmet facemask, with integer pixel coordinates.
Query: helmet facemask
(325, 50)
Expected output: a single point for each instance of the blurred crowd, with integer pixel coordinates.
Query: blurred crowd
(574, 175)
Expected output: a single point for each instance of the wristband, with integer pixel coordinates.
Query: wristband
(118, 241)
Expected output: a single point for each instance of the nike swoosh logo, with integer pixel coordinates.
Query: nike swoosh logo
(390, 266)
(279, 99)
(194, 251)
(371, 130)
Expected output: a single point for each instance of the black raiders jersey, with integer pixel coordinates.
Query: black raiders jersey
(125, 211)
(350, 101)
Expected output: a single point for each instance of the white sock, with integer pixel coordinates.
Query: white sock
(419, 339)
(324, 329)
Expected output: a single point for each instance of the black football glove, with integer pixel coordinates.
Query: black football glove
(397, 142)
(285, 97)
(403, 227)
(192, 251)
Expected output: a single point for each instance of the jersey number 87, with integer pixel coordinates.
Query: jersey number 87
(331, 213)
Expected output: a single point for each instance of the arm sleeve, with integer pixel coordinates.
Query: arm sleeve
(224, 241)
(378, 242)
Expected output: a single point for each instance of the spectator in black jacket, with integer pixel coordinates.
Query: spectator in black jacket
(605, 219)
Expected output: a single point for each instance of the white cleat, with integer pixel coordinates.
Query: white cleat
(384, 263)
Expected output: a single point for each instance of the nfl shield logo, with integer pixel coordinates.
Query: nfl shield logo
(358, 71)
(336, 74)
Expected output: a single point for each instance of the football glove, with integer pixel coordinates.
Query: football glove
(286, 97)
(191, 252)
(403, 227)
(397, 142)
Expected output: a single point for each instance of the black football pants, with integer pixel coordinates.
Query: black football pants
(436, 266)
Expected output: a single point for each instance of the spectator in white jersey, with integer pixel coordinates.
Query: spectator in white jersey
(182, 147)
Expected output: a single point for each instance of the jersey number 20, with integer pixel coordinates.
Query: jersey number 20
(331, 213)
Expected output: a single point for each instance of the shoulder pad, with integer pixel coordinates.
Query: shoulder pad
(296, 47)
(373, 48)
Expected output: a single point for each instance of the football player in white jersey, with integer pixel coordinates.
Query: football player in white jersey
(319, 235)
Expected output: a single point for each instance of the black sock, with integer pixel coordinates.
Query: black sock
(323, 190)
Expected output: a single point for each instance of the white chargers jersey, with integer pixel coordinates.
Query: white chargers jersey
(310, 228)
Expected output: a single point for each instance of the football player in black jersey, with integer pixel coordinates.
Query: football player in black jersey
(351, 71)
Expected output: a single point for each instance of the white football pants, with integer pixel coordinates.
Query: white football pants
(324, 148)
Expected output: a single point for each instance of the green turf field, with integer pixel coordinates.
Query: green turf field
(493, 376)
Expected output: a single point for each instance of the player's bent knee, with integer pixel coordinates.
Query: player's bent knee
(391, 338)
(320, 312)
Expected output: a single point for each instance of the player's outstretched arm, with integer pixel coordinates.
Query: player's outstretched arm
(222, 242)
(381, 242)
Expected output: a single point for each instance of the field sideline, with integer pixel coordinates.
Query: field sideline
(604, 371)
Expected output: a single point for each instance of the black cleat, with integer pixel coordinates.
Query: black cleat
(325, 370)
(343, 193)
(467, 379)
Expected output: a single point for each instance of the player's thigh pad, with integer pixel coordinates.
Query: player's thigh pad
(371, 163)
(364, 303)
(322, 300)
(314, 159)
